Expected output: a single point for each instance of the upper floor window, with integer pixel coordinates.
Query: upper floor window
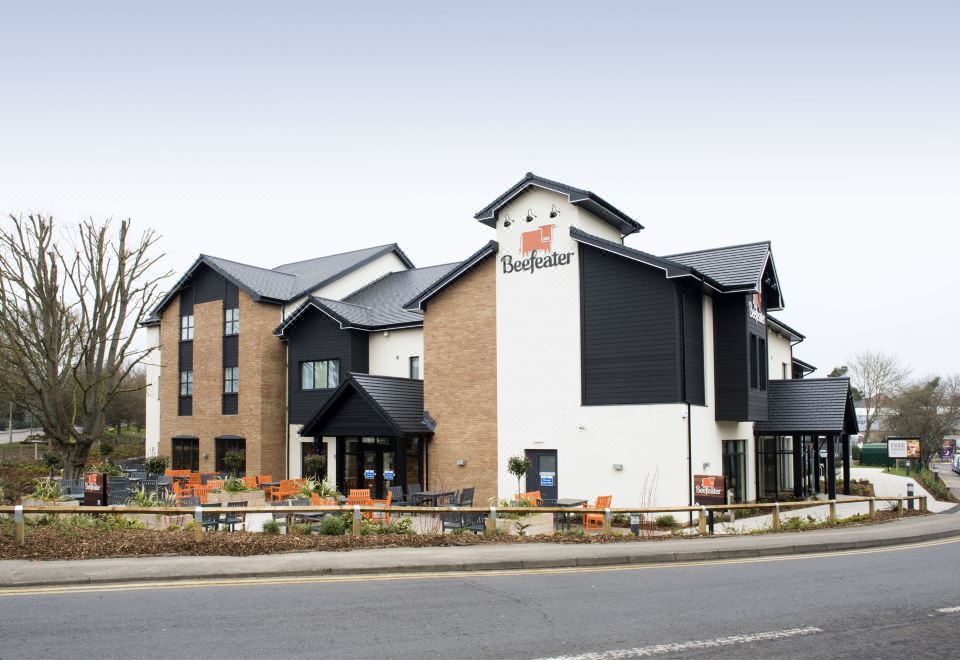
(231, 321)
(786, 370)
(186, 383)
(415, 367)
(186, 327)
(231, 380)
(319, 374)
(758, 363)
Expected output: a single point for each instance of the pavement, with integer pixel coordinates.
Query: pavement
(876, 603)
(20, 573)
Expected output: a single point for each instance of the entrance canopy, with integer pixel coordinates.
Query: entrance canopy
(809, 405)
(365, 405)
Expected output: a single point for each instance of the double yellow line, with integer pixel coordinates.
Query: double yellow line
(446, 575)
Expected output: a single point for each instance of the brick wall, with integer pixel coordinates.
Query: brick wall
(261, 413)
(460, 383)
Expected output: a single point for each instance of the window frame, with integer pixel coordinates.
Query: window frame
(415, 359)
(187, 327)
(313, 373)
(186, 379)
(235, 380)
(231, 326)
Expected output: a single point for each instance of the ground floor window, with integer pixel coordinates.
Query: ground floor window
(185, 454)
(774, 467)
(735, 468)
(225, 444)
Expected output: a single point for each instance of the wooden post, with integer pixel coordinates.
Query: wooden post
(899, 506)
(776, 516)
(356, 520)
(18, 527)
(833, 512)
(923, 504)
(492, 521)
(702, 521)
(198, 524)
(873, 507)
(607, 527)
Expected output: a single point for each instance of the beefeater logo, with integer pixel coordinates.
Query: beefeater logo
(540, 239)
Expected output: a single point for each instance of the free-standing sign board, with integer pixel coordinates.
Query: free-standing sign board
(95, 489)
(709, 489)
(903, 448)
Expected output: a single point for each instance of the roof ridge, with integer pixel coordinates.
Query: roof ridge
(340, 302)
(245, 265)
(337, 254)
(395, 272)
(723, 247)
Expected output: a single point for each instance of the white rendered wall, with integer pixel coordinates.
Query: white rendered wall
(391, 350)
(295, 467)
(780, 353)
(152, 372)
(539, 386)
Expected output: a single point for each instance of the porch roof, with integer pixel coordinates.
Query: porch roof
(809, 405)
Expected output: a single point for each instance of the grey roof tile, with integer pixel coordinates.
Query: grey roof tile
(809, 405)
(398, 401)
(735, 266)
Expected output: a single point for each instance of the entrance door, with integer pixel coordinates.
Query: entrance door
(378, 467)
(543, 473)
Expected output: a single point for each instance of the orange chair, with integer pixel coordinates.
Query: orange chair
(250, 482)
(385, 516)
(202, 492)
(264, 479)
(316, 500)
(594, 521)
(287, 488)
(194, 479)
(215, 483)
(532, 498)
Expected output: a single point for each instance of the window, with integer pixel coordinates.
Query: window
(185, 454)
(231, 321)
(786, 370)
(186, 383)
(231, 380)
(225, 444)
(735, 468)
(763, 362)
(754, 364)
(319, 374)
(415, 367)
(774, 467)
(186, 327)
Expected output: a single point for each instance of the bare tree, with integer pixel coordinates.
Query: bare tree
(928, 409)
(878, 377)
(68, 313)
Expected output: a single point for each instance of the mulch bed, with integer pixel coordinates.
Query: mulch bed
(54, 543)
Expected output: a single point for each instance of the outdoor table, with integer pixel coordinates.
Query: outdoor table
(268, 484)
(568, 504)
(431, 496)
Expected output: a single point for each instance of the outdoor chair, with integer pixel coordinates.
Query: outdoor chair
(397, 495)
(594, 521)
(412, 490)
(211, 519)
(532, 498)
(263, 479)
(473, 522)
(465, 498)
(250, 482)
(385, 516)
(188, 501)
(150, 484)
(232, 520)
(286, 488)
(202, 492)
(138, 474)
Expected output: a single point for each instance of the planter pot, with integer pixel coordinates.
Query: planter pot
(252, 498)
(539, 523)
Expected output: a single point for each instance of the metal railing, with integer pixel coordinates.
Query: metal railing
(490, 513)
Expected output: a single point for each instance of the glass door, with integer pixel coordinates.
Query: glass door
(377, 467)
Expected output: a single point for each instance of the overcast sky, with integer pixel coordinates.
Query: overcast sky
(272, 132)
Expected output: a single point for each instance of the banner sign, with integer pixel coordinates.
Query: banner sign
(95, 489)
(709, 489)
(903, 448)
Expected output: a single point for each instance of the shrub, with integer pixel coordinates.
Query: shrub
(143, 497)
(518, 466)
(235, 485)
(333, 526)
(620, 520)
(271, 527)
(234, 460)
(315, 465)
(299, 529)
(47, 489)
(156, 464)
(105, 450)
(107, 468)
(53, 461)
(666, 521)
(397, 526)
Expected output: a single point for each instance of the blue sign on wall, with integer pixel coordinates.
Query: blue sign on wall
(389, 475)
(369, 474)
(546, 480)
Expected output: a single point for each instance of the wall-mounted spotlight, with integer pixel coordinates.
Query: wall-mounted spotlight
(507, 220)
(530, 215)
(554, 211)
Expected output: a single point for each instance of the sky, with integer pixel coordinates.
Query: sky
(273, 132)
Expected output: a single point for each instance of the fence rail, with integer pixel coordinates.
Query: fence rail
(490, 512)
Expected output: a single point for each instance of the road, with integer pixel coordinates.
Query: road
(877, 603)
